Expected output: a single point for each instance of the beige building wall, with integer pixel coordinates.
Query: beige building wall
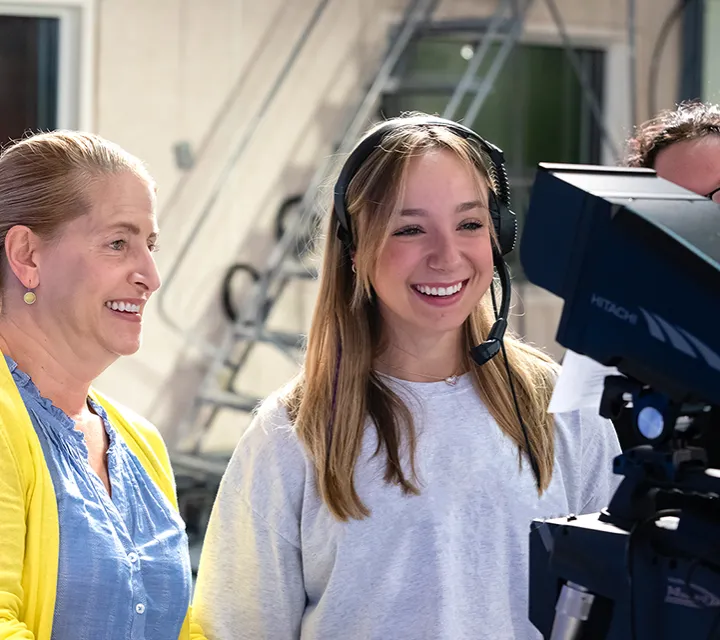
(171, 71)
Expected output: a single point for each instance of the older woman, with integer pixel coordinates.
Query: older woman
(92, 545)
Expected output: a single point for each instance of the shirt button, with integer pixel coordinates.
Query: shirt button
(140, 608)
(133, 557)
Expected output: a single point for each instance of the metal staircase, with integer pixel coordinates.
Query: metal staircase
(298, 217)
(295, 224)
(199, 473)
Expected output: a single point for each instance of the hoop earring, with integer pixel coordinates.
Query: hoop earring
(353, 268)
(30, 297)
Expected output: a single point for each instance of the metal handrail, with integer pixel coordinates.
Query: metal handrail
(250, 131)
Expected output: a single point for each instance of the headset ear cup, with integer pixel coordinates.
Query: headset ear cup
(505, 224)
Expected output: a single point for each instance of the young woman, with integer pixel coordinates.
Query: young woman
(92, 546)
(388, 492)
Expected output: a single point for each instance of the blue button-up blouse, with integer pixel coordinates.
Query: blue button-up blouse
(124, 569)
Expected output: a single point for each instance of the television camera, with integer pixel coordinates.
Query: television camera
(636, 260)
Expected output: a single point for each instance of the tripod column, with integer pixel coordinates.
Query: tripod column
(572, 610)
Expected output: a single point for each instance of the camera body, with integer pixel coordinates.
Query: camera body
(636, 260)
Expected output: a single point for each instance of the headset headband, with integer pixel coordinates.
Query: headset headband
(504, 220)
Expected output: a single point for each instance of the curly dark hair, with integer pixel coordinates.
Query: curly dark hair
(690, 121)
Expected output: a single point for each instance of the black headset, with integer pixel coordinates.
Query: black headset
(503, 219)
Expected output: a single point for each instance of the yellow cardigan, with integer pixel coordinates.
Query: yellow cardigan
(29, 530)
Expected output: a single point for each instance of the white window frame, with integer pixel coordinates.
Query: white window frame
(616, 82)
(711, 53)
(76, 44)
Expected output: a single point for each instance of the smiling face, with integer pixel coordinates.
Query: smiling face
(437, 262)
(97, 274)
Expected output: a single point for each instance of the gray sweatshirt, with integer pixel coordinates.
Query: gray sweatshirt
(449, 564)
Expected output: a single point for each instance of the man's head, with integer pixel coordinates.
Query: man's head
(683, 146)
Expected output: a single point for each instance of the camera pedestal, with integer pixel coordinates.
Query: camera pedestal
(651, 561)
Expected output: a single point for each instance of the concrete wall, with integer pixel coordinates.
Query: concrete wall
(174, 70)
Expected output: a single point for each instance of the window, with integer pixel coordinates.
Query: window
(535, 111)
(46, 51)
(28, 75)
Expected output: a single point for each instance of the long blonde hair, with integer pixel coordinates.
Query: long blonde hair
(332, 398)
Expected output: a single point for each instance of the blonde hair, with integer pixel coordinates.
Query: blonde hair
(45, 178)
(332, 398)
